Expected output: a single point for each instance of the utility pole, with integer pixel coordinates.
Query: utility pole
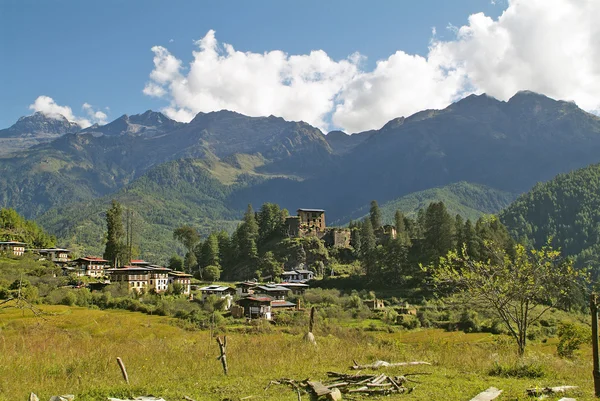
(596, 371)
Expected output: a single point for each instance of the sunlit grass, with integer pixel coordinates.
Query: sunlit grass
(74, 350)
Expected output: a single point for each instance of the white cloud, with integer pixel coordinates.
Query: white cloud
(548, 46)
(296, 87)
(50, 108)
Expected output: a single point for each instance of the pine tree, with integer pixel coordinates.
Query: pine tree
(439, 232)
(247, 237)
(459, 236)
(368, 248)
(115, 247)
(209, 253)
(270, 222)
(375, 215)
(402, 236)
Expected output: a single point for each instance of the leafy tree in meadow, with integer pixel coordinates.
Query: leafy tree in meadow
(189, 238)
(115, 246)
(519, 289)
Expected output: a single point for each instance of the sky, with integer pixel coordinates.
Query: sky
(336, 64)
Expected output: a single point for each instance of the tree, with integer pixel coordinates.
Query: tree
(269, 266)
(115, 247)
(402, 236)
(189, 237)
(375, 215)
(209, 252)
(439, 231)
(368, 248)
(211, 273)
(175, 262)
(519, 289)
(270, 222)
(247, 237)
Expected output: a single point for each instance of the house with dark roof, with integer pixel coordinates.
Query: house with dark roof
(91, 266)
(181, 278)
(295, 288)
(12, 248)
(256, 307)
(272, 290)
(245, 288)
(312, 219)
(219, 291)
(136, 277)
(297, 276)
(59, 256)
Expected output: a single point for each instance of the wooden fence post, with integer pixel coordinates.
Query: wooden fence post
(123, 370)
(223, 349)
(596, 371)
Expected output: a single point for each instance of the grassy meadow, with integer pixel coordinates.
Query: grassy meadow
(73, 350)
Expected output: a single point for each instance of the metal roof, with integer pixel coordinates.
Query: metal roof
(311, 210)
(217, 288)
(12, 243)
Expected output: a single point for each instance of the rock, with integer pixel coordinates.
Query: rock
(33, 397)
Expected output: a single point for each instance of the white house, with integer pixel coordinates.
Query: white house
(297, 276)
(219, 291)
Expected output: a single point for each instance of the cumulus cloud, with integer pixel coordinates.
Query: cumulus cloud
(296, 87)
(50, 108)
(548, 46)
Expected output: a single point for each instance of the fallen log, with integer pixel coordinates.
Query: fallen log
(488, 395)
(384, 364)
(549, 390)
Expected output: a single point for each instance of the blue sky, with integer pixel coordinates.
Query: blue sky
(101, 54)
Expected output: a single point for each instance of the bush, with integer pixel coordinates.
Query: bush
(408, 321)
(211, 273)
(469, 322)
(519, 370)
(571, 337)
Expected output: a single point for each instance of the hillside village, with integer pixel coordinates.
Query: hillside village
(250, 299)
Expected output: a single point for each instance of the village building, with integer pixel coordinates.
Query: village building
(91, 266)
(159, 278)
(281, 305)
(312, 219)
(255, 307)
(181, 278)
(12, 248)
(295, 288)
(137, 278)
(374, 304)
(57, 255)
(272, 290)
(139, 263)
(385, 233)
(245, 288)
(297, 276)
(219, 291)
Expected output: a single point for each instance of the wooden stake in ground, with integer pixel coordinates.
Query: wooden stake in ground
(223, 349)
(596, 355)
(123, 370)
(310, 337)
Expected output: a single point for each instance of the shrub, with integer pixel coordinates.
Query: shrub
(408, 321)
(211, 273)
(469, 322)
(571, 337)
(518, 370)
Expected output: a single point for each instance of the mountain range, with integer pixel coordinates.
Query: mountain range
(481, 151)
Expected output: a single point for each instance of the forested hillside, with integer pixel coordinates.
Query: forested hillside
(13, 227)
(565, 210)
(468, 200)
(498, 148)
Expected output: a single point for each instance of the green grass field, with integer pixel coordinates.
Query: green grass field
(73, 351)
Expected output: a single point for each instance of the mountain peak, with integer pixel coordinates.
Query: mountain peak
(38, 124)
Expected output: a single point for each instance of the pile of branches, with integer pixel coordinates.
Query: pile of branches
(370, 384)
